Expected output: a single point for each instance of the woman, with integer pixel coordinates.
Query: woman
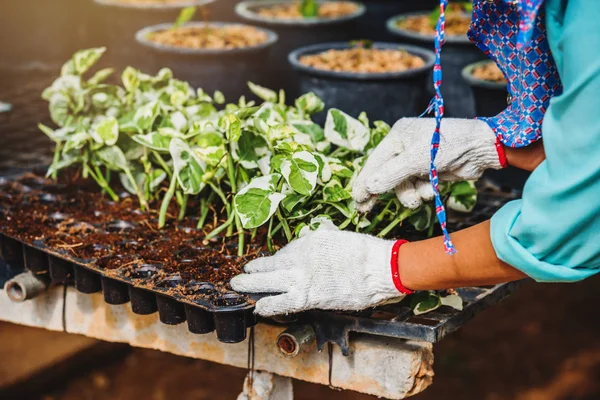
(550, 54)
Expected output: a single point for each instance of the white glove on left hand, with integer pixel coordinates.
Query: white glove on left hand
(401, 161)
(328, 270)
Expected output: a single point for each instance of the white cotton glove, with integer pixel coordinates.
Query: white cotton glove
(401, 161)
(326, 269)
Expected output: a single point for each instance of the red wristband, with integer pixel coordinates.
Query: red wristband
(394, 265)
(501, 153)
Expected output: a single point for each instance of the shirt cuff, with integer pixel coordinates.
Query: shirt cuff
(509, 250)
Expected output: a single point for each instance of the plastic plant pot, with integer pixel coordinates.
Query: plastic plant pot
(383, 96)
(371, 25)
(227, 70)
(457, 52)
(491, 98)
(295, 33)
(116, 23)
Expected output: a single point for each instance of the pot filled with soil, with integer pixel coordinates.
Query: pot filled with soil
(297, 25)
(214, 56)
(457, 52)
(371, 25)
(488, 84)
(117, 22)
(389, 79)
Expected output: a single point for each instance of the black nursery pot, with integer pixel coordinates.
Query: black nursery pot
(383, 96)
(371, 25)
(491, 98)
(227, 70)
(295, 33)
(116, 23)
(457, 52)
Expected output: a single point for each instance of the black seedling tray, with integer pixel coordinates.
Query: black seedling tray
(205, 307)
(229, 314)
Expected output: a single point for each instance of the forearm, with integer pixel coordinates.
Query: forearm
(424, 265)
(527, 158)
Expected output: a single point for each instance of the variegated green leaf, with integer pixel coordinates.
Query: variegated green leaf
(322, 221)
(100, 76)
(106, 131)
(112, 157)
(263, 93)
(310, 103)
(258, 201)
(154, 141)
(334, 191)
(426, 301)
(232, 127)
(188, 167)
(301, 171)
(345, 131)
(145, 115)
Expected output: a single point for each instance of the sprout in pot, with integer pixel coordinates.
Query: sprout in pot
(213, 55)
(458, 51)
(391, 79)
(300, 24)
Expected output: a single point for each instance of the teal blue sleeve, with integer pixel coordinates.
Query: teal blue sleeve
(553, 233)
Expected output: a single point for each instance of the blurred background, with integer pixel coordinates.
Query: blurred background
(541, 343)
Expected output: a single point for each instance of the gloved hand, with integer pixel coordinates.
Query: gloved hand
(401, 161)
(326, 269)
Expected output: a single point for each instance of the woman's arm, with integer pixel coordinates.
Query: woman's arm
(527, 158)
(424, 265)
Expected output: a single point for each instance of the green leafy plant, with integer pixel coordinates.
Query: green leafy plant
(251, 166)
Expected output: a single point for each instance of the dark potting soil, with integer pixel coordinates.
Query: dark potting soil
(79, 220)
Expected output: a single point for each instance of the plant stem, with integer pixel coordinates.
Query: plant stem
(162, 163)
(102, 183)
(378, 218)
(286, 227)
(403, 215)
(143, 202)
(269, 236)
(253, 234)
(55, 160)
(220, 228)
(162, 217)
(183, 207)
(241, 234)
(345, 224)
(204, 202)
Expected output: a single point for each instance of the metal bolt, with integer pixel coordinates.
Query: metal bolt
(508, 98)
(290, 341)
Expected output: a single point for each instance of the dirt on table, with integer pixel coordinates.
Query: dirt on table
(489, 72)
(327, 10)
(458, 22)
(211, 37)
(361, 60)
